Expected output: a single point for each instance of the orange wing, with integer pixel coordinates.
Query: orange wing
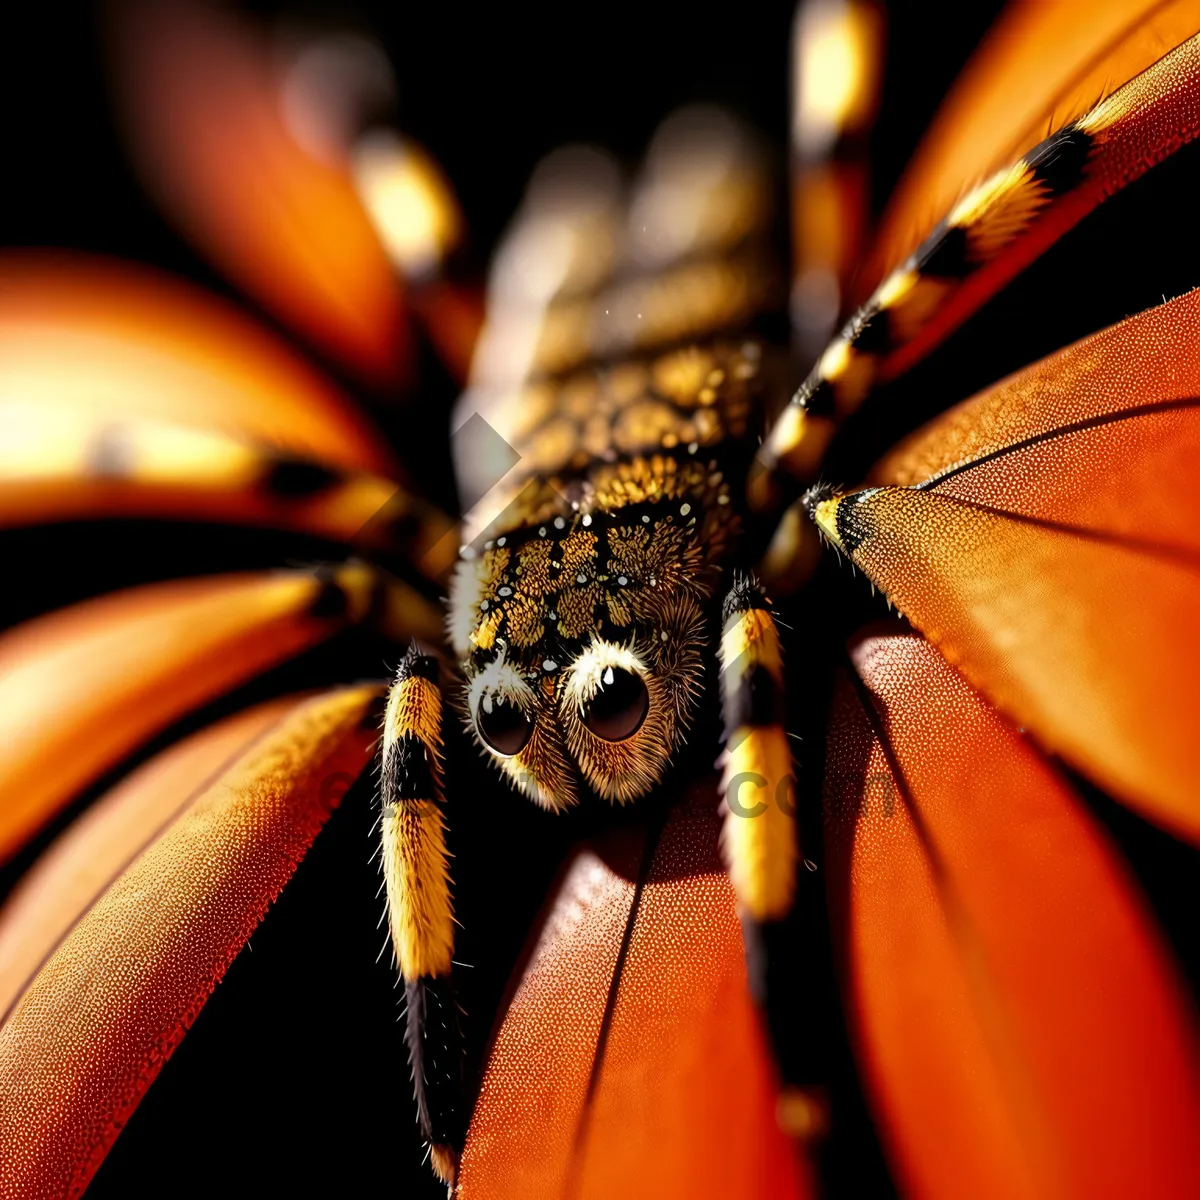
(1044, 64)
(59, 462)
(650, 979)
(82, 1046)
(1044, 536)
(1019, 1026)
(68, 879)
(83, 687)
(981, 242)
(125, 394)
(204, 101)
(1017, 213)
(103, 339)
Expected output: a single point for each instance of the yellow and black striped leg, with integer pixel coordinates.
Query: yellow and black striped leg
(760, 836)
(420, 910)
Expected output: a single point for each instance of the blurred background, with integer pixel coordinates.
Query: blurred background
(295, 1077)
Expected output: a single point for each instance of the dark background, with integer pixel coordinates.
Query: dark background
(294, 1078)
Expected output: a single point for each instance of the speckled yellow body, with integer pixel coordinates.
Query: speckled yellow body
(622, 520)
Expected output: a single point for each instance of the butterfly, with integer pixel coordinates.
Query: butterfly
(1016, 1020)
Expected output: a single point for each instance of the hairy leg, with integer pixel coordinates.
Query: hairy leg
(420, 910)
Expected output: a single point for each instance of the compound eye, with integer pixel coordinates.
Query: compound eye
(503, 726)
(617, 710)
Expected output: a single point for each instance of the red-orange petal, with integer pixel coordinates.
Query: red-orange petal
(1130, 132)
(84, 861)
(83, 687)
(61, 462)
(1019, 1026)
(1042, 65)
(98, 1022)
(106, 338)
(682, 1103)
(203, 102)
(1046, 541)
(990, 235)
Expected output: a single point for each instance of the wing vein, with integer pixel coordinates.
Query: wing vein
(1183, 556)
(1096, 422)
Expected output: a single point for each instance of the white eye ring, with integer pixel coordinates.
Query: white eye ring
(586, 675)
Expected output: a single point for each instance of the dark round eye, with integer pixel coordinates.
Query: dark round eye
(618, 709)
(503, 726)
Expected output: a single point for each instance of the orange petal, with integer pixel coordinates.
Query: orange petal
(83, 1044)
(1019, 1026)
(102, 338)
(1056, 558)
(1011, 222)
(682, 1102)
(60, 463)
(203, 102)
(85, 860)
(83, 687)
(1040, 67)
(990, 235)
